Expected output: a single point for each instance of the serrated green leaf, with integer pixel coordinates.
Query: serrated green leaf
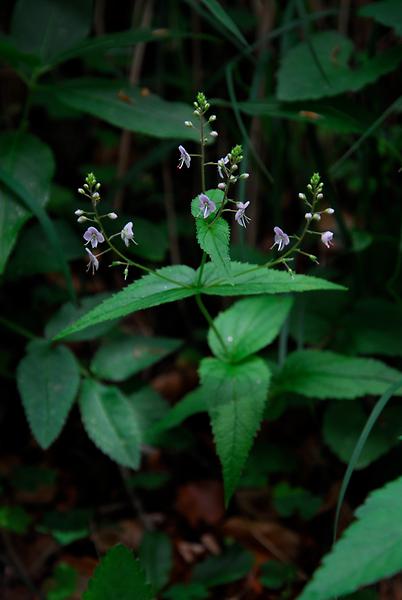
(214, 238)
(252, 279)
(236, 400)
(45, 28)
(249, 325)
(142, 113)
(112, 422)
(187, 591)
(275, 574)
(20, 158)
(300, 78)
(324, 374)
(369, 549)
(233, 564)
(123, 357)
(386, 12)
(48, 380)
(118, 575)
(173, 284)
(156, 558)
(343, 423)
(14, 518)
(150, 408)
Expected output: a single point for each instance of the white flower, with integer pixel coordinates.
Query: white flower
(240, 215)
(93, 262)
(93, 236)
(127, 234)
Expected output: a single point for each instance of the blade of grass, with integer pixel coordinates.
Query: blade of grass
(375, 413)
(45, 222)
(221, 15)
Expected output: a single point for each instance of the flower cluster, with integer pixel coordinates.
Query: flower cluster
(94, 236)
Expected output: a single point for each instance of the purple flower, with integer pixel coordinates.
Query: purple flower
(207, 206)
(185, 158)
(281, 239)
(326, 238)
(93, 237)
(240, 215)
(221, 163)
(127, 234)
(93, 262)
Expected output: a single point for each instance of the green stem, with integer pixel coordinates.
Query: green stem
(17, 328)
(201, 270)
(209, 319)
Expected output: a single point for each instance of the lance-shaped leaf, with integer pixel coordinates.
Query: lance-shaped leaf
(112, 422)
(166, 285)
(324, 374)
(236, 399)
(118, 575)
(249, 325)
(252, 279)
(48, 380)
(369, 550)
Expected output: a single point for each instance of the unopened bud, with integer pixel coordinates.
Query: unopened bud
(312, 257)
(308, 216)
(212, 118)
(221, 186)
(329, 211)
(112, 216)
(86, 186)
(81, 191)
(97, 186)
(234, 168)
(320, 196)
(309, 186)
(302, 196)
(79, 212)
(316, 217)
(188, 124)
(232, 179)
(82, 219)
(214, 134)
(244, 176)
(95, 196)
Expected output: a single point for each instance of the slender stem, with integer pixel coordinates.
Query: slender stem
(209, 319)
(17, 328)
(201, 270)
(202, 153)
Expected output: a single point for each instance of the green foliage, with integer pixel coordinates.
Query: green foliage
(343, 424)
(369, 550)
(150, 408)
(233, 564)
(275, 574)
(214, 240)
(31, 478)
(116, 103)
(118, 575)
(63, 583)
(48, 379)
(168, 285)
(289, 500)
(20, 157)
(14, 518)
(156, 558)
(236, 396)
(123, 357)
(249, 325)
(192, 404)
(324, 374)
(222, 17)
(386, 12)
(112, 422)
(300, 77)
(66, 527)
(186, 591)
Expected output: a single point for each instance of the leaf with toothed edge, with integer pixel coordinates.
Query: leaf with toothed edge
(214, 240)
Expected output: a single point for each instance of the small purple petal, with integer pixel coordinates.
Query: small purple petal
(207, 206)
(185, 158)
(327, 238)
(221, 163)
(93, 236)
(240, 215)
(281, 239)
(127, 234)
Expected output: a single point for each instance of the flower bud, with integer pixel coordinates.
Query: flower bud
(234, 168)
(214, 134)
(329, 211)
(79, 212)
(188, 124)
(320, 196)
(112, 216)
(316, 217)
(309, 186)
(95, 196)
(308, 216)
(86, 186)
(212, 118)
(302, 196)
(221, 186)
(82, 219)
(244, 176)
(232, 179)
(81, 191)
(97, 186)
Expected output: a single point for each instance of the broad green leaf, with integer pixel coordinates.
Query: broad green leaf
(249, 325)
(123, 357)
(21, 156)
(214, 240)
(344, 422)
(69, 313)
(222, 16)
(48, 379)
(119, 105)
(193, 403)
(386, 12)
(324, 374)
(275, 574)
(300, 78)
(63, 583)
(66, 526)
(369, 550)
(255, 279)
(165, 285)
(118, 575)
(236, 399)
(233, 564)
(14, 518)
(289, 500)
(150, 408)
(10, 54)
(152, 480)
(156, 558)
(45, 27)
(112, 422)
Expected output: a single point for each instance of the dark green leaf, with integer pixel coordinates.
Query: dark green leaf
(234, 564)
(63, 583)
(222, 16)
(213, 238)
(14, 518)
(156, 558)
(275, 574)
(386, 12)
(187, 591)
(193, 403)
(66, 527)
(289, 500)
(48, 380)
